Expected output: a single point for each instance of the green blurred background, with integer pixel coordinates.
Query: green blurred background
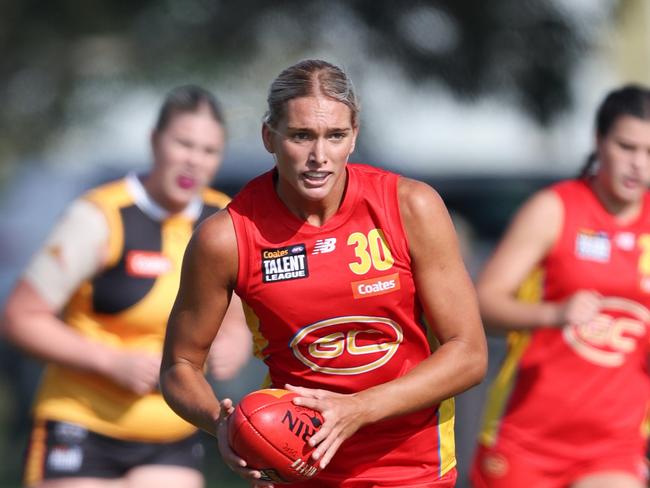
(487, 101)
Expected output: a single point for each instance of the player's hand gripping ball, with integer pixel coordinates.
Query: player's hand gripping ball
(271, 433)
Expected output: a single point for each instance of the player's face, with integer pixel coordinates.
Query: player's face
(311, 145)
(624, 156)
(187, 154)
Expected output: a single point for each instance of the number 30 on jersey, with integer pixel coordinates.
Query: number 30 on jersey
(371, 251)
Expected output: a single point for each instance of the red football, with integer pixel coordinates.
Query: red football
(271, 433)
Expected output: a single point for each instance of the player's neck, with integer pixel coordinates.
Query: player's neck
(315, 211)
(623, 211)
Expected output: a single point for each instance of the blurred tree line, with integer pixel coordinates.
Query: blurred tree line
(50, 51)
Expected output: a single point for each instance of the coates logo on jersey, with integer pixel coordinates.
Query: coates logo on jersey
(375, 286)
(347, 345)
(284, 263)
(612, 335)
(147, 264)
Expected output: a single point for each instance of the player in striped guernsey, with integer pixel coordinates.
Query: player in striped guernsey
(94, 304)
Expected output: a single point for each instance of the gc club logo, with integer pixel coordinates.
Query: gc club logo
(347, 345)
(613, 334)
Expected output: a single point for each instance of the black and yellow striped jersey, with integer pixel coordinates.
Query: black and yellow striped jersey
(126, 305)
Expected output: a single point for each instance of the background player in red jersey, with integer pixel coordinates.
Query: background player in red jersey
(337, 264)
(571, 280)
(94, 304)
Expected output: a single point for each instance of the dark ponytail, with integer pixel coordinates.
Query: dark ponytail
(589, 165)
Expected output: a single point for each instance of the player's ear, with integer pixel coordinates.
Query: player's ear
(267, 137)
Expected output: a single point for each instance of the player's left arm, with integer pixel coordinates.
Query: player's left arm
(207, 280)
(450, 306)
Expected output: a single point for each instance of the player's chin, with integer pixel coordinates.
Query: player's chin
(180, 198)
(316, 194)
(631, 196)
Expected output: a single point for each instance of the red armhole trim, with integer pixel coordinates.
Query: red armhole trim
(559, 242)
(395, 218)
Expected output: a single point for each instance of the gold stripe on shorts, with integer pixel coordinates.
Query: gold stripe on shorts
(35, 459)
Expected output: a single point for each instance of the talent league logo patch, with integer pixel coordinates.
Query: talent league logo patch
(593, 246)
(284, 263)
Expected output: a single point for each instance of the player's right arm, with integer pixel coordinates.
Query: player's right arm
(208, 278)
(74, 251)
(529, 238)
(231, 349)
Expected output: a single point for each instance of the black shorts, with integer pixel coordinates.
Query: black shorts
(65, 450)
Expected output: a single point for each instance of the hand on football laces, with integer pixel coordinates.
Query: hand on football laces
(343, 414)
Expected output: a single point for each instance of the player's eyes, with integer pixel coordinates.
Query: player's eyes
(626, 146)
(300, 136)
(184, 143)
(308, 136)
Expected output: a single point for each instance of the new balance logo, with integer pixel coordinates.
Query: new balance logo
(324, 245)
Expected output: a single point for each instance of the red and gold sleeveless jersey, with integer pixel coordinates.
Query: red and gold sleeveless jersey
(335, 307)
(125, 306)
(567, 392)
